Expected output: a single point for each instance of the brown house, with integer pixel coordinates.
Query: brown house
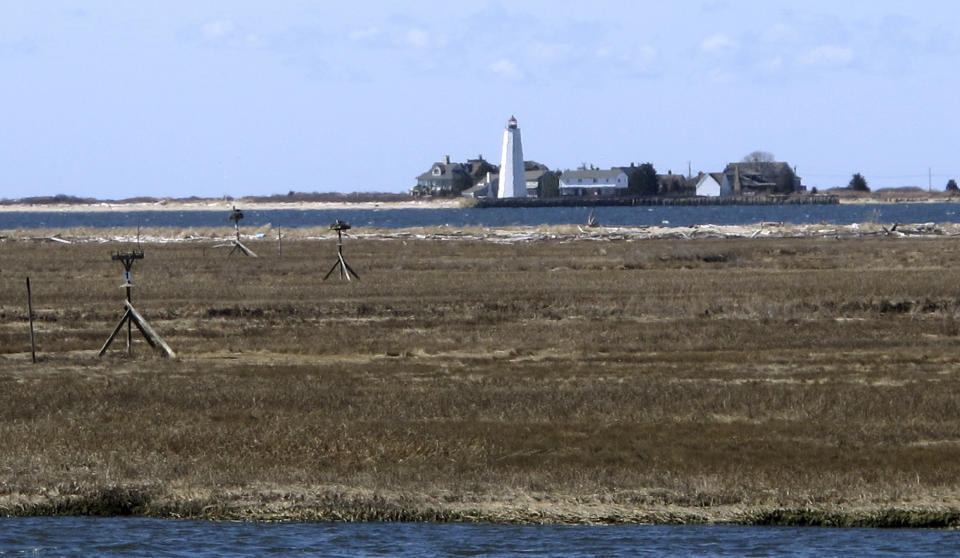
(746, 179)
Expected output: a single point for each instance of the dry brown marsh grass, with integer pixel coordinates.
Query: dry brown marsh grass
(704, 376)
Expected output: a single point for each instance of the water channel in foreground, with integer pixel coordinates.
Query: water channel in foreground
(77, 536)
(677, 216)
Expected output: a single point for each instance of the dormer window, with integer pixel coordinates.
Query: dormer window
(437, 171)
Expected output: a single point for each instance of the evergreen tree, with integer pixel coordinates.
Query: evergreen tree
(858, 183)
(643, 180)
(952, 185)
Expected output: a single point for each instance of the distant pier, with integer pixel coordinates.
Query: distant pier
(816, 199)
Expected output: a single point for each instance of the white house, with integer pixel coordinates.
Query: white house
(709, 184)
(593, 182)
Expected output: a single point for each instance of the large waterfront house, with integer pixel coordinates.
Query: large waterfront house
(594, 182)
(446, 178)
(749, 179)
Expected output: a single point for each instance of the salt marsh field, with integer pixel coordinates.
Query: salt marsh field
(582, 377)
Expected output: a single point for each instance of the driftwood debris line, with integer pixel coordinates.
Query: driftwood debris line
(766, 229)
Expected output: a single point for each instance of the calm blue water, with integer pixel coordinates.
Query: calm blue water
(155, 537)
(500, 217)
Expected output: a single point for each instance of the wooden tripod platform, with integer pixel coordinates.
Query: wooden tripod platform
(237, 245)
(131, 316)
(345, 269)
(235, 216)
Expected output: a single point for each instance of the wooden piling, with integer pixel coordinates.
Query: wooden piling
(33, 341)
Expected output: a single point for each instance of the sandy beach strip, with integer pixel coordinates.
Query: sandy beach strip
(224, 205)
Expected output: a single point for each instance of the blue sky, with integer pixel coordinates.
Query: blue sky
(176, 98)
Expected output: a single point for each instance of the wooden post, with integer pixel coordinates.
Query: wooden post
(33, 342)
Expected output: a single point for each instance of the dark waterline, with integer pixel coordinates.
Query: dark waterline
(498, 217)
(71, 537)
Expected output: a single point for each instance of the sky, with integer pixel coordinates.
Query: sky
(176, 98)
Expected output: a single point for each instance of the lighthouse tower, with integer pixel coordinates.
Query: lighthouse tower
(512, 183)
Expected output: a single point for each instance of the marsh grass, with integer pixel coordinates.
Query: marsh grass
(779, 374)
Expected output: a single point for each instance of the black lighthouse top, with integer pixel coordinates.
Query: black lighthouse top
(512, 123)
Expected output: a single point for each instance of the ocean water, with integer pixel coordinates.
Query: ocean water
(500, 217)
(107, 537)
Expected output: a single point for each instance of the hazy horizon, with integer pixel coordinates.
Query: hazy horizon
(222, 98)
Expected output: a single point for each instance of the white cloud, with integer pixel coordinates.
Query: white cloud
(549, 52)
(17, 48)
(826, 55)
(642, 57)
(772, 64)
(224, 32)
(636, 58)
(418, 38)
(721, 76)
(778, 32)
(506, 69)
(365, 33)
(718, 44)
(218, 29)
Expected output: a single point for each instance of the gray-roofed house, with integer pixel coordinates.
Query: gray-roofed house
(674, 185)
(444, 178)
(593, 182)
(750, 179)
(541, 181)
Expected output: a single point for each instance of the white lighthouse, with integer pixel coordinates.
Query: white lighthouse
(512, 183)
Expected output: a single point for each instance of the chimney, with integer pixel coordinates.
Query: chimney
(446, 159)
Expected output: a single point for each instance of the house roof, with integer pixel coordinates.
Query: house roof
(671, 178)
(447, 170)
(716, 176)
(759, 172)
(758, 175)
(605, 175)
(534, 174)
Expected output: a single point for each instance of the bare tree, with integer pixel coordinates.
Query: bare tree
(759, 157)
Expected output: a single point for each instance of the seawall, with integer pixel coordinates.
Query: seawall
(656, 201)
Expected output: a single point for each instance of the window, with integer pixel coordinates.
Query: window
(437, 171)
